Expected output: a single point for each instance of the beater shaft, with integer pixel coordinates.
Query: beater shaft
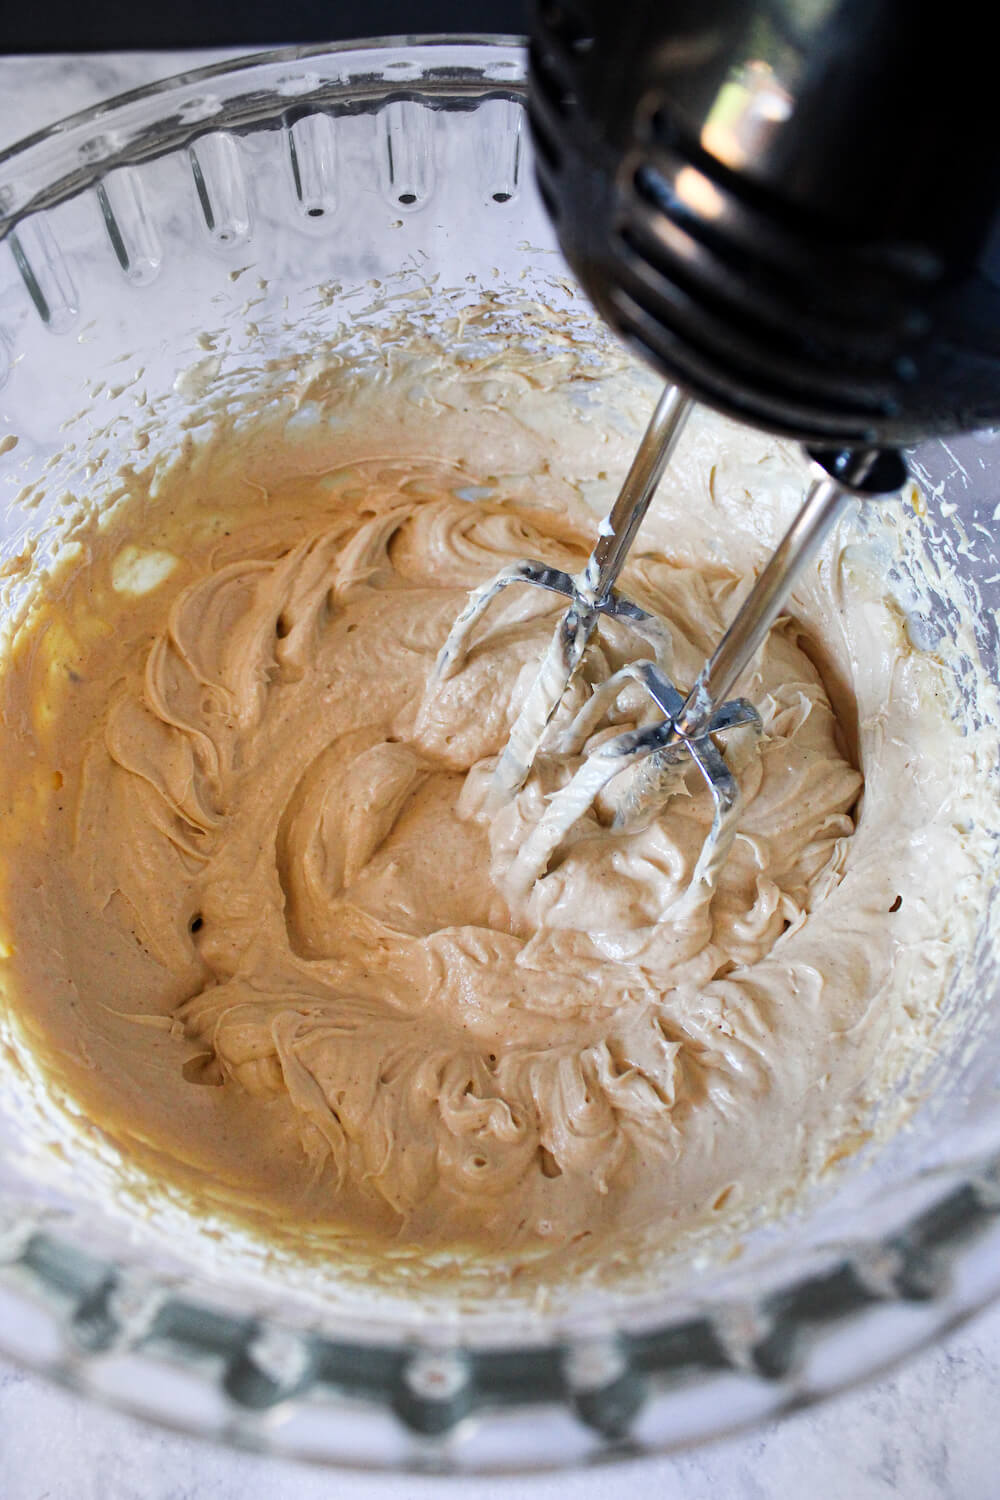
(619, 529)
(824, 502)
(591, 591)
(655, 748)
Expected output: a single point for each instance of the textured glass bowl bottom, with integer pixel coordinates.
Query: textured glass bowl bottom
(225, 199)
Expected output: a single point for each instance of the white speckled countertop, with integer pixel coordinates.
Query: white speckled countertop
(930, 1433)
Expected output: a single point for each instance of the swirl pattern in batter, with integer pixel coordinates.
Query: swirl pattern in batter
(274, 910)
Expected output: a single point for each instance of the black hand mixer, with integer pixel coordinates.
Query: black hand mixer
(791, 208)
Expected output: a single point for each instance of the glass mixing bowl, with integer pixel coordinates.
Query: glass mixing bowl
(257, 197)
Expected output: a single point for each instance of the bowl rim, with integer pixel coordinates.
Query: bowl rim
(147, 138)
(245, 62)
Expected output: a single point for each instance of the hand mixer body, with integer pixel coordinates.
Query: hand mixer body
(791, 208)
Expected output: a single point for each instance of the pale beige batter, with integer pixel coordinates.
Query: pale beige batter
(257, 910)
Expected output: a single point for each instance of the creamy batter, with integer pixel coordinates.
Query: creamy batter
(260, 913)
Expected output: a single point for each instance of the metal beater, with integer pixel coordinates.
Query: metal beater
(690, 724)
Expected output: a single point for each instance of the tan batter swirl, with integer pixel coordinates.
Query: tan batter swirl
(269, 936)
(267, 806)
